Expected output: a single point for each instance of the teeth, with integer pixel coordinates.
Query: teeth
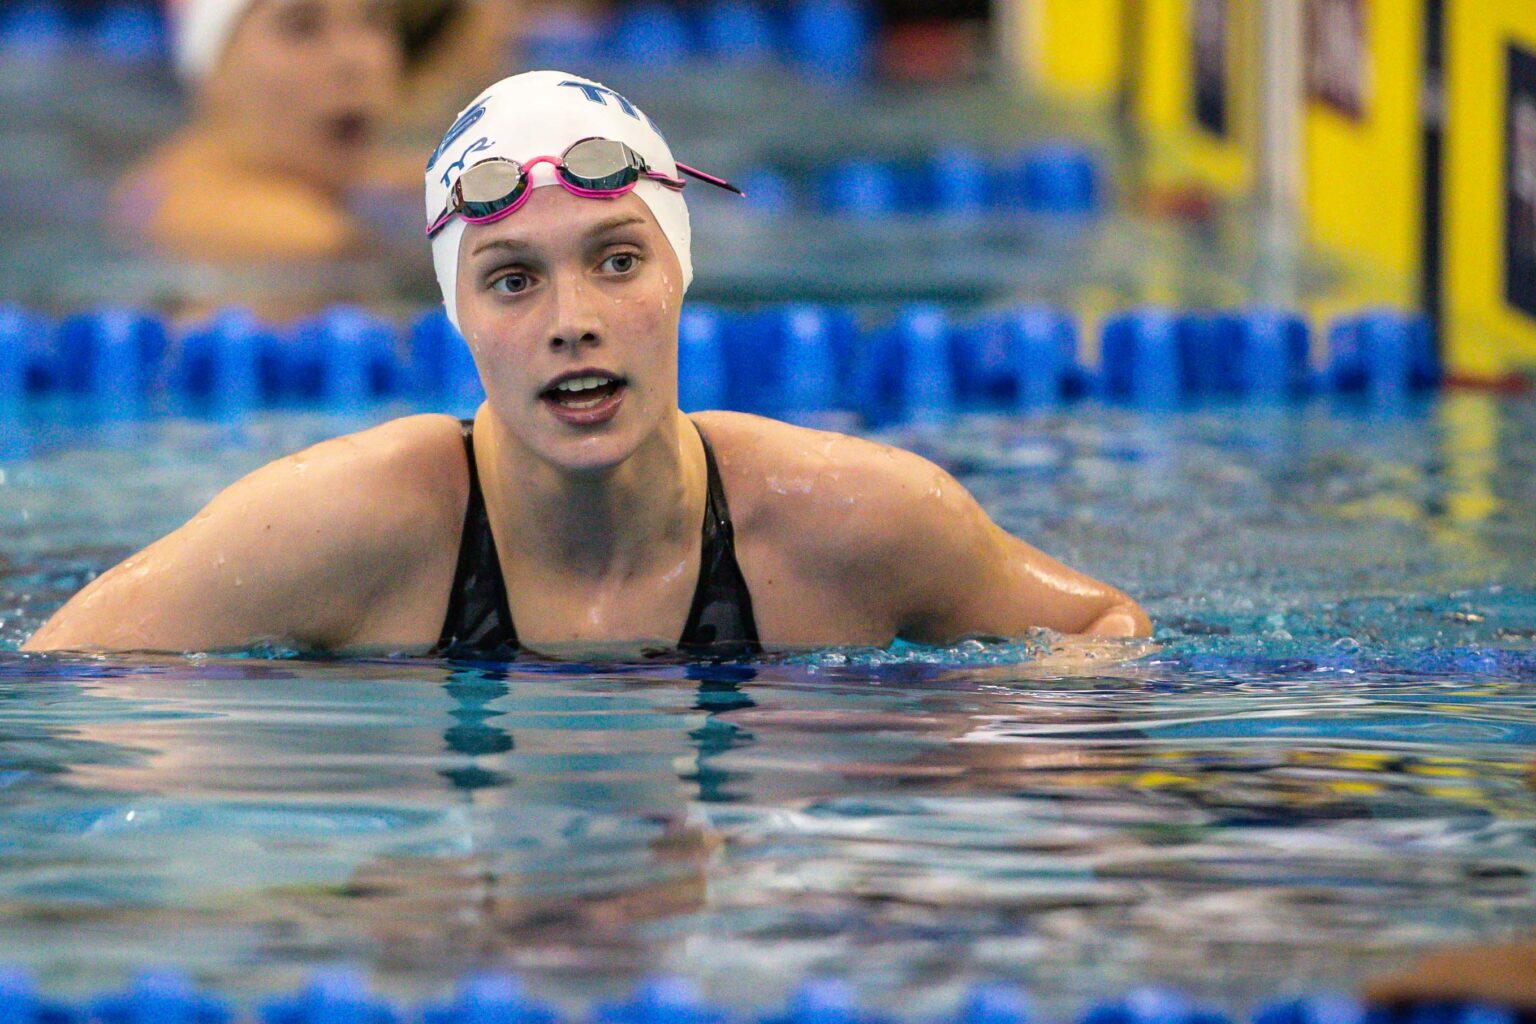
(583, 383)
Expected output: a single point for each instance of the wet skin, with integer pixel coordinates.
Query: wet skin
(596, 511)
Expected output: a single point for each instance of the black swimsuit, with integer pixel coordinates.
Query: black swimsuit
(479, 620)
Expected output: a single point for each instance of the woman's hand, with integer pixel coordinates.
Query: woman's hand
(1123, 620)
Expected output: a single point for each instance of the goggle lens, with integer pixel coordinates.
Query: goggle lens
(490, 187)
(601, 165)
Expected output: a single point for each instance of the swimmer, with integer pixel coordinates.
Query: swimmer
(288, 95)
(580, 506)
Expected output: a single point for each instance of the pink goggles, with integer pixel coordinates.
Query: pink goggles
(591, 168)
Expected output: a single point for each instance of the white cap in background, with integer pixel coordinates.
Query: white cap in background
(200, 30)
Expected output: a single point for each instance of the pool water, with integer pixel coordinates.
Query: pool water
(1321, 766)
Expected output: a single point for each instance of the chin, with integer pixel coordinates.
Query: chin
(587, 451)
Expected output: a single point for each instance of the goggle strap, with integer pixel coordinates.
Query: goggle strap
(441, 222)
(456, 202)
(710, 179)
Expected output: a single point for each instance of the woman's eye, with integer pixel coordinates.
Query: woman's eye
(621, 262)
(510, 284)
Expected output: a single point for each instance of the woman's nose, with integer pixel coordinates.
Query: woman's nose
(359, 52)
(560, 341)
(576, 321)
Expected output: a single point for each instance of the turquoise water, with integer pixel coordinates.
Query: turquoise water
(1321, 766)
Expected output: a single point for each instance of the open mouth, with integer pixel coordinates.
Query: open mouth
(351, 129)
(587, 398)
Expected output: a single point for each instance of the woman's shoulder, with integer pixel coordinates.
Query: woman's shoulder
(361, 514)
(309, 550)
(387, 488)
(805, 483)
(883, 529)
(415, 460)
(185, 199)
(759, 447)
(141, 194)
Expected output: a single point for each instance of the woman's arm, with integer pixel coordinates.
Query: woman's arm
(966, 575)
(302, 552)
(917, 542)
(252, 566)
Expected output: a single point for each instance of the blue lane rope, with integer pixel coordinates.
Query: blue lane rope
(342, 996)
(803, 362)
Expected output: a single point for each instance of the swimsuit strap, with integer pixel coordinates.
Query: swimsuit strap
(721, 619)
(479, 618)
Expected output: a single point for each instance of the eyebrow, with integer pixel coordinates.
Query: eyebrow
(602, 227)
(613, 224)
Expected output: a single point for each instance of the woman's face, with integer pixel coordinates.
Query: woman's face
(577, 292)
(303, 83)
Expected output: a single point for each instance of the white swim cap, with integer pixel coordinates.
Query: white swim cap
(541, 113)
(200, 30)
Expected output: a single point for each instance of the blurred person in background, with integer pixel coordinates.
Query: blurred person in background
(288, 98)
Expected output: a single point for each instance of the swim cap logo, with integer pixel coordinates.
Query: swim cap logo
(482, 143)
(600, 93)
(465, 122)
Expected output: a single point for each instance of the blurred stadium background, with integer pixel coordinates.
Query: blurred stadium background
(1092, 156)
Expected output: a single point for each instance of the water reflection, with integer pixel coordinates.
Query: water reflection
(721, 692)
(474, 734)
(1069, 821)
(1318, 768)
